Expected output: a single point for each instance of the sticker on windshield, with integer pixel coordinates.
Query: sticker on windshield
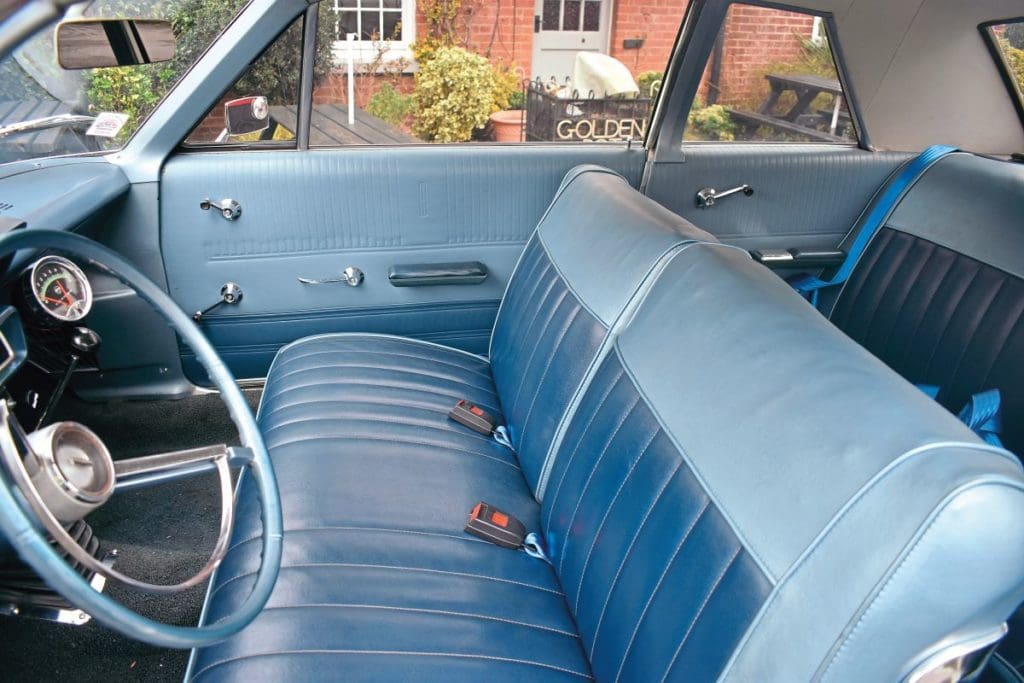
(107, 124)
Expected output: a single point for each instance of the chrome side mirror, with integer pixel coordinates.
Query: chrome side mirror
(246, 115)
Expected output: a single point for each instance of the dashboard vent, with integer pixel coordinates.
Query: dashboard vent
(5, 206)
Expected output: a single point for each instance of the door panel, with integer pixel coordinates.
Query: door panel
(311, 214)
(804, 195)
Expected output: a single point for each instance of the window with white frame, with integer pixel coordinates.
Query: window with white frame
(378, 26)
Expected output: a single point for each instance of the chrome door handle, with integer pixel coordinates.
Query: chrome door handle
(707, 197)
(229, 208)
(351, 276)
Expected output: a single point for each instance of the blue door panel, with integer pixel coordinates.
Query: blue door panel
(311, 214)
(804, 195)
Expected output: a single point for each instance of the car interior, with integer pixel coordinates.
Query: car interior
(658, 409)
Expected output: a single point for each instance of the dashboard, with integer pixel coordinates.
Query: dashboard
(43, 340)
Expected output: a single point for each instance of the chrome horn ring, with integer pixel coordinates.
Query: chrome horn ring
(14, 442)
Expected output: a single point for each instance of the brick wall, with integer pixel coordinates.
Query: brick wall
(656, 22)
(501, 29)
(755, 38)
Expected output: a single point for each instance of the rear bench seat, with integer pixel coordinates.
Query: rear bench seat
(939, 292)
(710, 509)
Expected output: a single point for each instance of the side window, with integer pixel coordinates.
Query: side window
(470, 71)
(1008, 41)
(466, 71)
(264, 102)
(771, 77)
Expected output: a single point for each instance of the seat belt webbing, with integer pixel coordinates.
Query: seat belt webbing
(806, 283)
(982, 413)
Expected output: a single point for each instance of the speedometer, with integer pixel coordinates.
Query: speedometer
(60, 289)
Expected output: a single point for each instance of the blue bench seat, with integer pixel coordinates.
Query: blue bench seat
(709, 512)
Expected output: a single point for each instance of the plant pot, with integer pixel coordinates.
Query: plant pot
(507, 125)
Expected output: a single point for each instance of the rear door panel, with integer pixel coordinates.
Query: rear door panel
(804, 195)
(313, 213)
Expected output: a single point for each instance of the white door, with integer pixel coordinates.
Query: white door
(561, 29)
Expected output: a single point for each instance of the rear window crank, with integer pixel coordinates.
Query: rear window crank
(707, 197)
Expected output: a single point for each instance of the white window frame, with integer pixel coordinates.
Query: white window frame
(818, 32)
(364, 50)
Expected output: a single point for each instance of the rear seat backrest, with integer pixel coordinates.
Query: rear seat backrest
(745, 492)
(593, 250)
(939, 293)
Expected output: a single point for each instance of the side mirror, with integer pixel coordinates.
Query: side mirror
(95, 43)
(246, 115)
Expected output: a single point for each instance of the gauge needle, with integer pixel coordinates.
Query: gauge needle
(53, 301)
(69, 300)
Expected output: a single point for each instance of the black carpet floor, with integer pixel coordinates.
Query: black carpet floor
(162, 534)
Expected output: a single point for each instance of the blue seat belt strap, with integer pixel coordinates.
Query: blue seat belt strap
(880, 212)
(982, 413)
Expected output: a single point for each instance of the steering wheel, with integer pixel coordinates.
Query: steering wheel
(31, 503)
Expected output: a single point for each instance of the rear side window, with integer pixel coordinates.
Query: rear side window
(1007, 42)
(771, 77)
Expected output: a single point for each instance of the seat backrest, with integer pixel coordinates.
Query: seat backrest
(745, 494)
(593, 251)
(939, 292)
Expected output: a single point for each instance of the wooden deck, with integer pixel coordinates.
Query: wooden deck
(329, 127)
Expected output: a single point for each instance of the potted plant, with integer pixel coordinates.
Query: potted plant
(508, 118)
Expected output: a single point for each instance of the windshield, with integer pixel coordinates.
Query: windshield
(48, 111)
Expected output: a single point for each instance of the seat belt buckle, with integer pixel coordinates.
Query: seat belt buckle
(472, 416)
(491, 524)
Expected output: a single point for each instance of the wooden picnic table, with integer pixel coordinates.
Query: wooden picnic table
(329, 126)
(806, 88)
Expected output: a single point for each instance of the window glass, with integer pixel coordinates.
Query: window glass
(469, 71)
(482, 71)
(1009, 41)
(771, 77)
(34, 88)
(264, 101)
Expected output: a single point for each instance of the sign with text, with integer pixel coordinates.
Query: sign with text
(584, 119)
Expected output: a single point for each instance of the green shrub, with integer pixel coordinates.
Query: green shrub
(649, 83)
(275, 73)
(507, 83)
(1015, 60)
(196, 23)
(517, 100)
(454, 94)
(390, 105)
(709, 122)
(127, 90)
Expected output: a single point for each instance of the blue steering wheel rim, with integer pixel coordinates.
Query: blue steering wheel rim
(34, 548)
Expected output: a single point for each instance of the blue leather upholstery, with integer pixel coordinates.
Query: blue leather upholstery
(706, 516)
(334, 403)
(939, 293)
(595, 248)
(312, 214)
(660, 585)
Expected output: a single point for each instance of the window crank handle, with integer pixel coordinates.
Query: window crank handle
(228, 208)
(230, 294)
(707, 197)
